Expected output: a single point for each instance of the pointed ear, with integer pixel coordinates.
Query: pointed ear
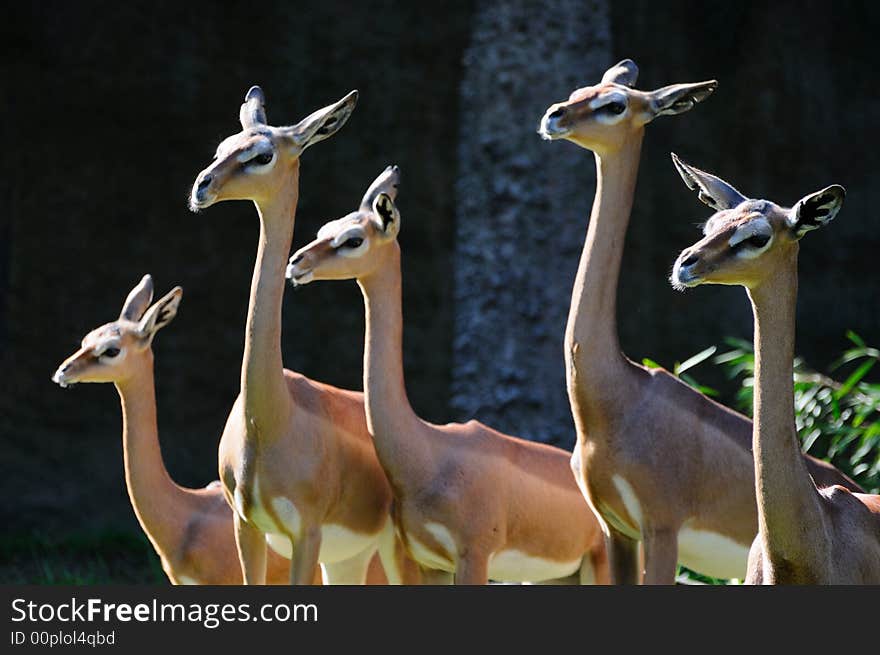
(386, 183)
(138, 300)
(321, 124)
(253, 111)
(624, 72)
(679, 98)
(712, 190)
(815, 210)
(386, 215)
(160, 314)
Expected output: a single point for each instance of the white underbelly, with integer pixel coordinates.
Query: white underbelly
(504, 566)
(703, 551)
(280, 544)
(712, 554)
(185, 579)
(284, 521)
(338, 543)
(516, 566)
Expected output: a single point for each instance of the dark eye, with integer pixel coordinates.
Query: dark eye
(261, 160)
(615, 108)
(759, 240)
(354, 242)
(110, 353)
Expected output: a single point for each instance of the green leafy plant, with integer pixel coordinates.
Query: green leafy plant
(680, 369)
(838, 421)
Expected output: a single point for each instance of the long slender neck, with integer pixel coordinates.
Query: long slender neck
(591, 332)
(262, 380)
(396, 429)
(787, 500)
(157, 501)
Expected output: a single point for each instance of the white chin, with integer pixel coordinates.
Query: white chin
(683, 281)
(300, 280)
(195, 204)
(549, 133)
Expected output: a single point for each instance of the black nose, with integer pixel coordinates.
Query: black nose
(690, 260)
(559, 112)
(295, 260)
(205, 181)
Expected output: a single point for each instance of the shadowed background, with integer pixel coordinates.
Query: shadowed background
(110, 110)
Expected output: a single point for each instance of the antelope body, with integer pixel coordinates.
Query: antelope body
(296, 461)
(469, 501)
(807, 535)
(658, 462)
(190, 529)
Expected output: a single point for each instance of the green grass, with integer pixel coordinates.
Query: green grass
(106, 557)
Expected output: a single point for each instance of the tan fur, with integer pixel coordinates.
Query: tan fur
(289, 442)
(487, 491)
(807, 535)
(686, 458)
(190, 529)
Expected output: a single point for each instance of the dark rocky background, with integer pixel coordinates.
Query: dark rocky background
(109, 111)
(794, 112)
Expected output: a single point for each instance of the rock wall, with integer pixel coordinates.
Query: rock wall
(521, 208)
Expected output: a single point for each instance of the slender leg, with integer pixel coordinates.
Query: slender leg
(410, 571)
(623, 557)
(436, 577)
(375, 572)
(388, 554)
(661, 555)
(473, 569)
(755, 566)
(399, 567)
(251, 545)
(350, 571)
(598, 566)
(588, 571)
(305, 556)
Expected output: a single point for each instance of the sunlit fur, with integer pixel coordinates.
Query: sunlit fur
(807, 534)
(743, 245)
(236, 175)
(295, 458)
(676, 448)
(329, 258)
(468, 499)
(725, 254)
(190, 529)
(92, 363)
(589, 117)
